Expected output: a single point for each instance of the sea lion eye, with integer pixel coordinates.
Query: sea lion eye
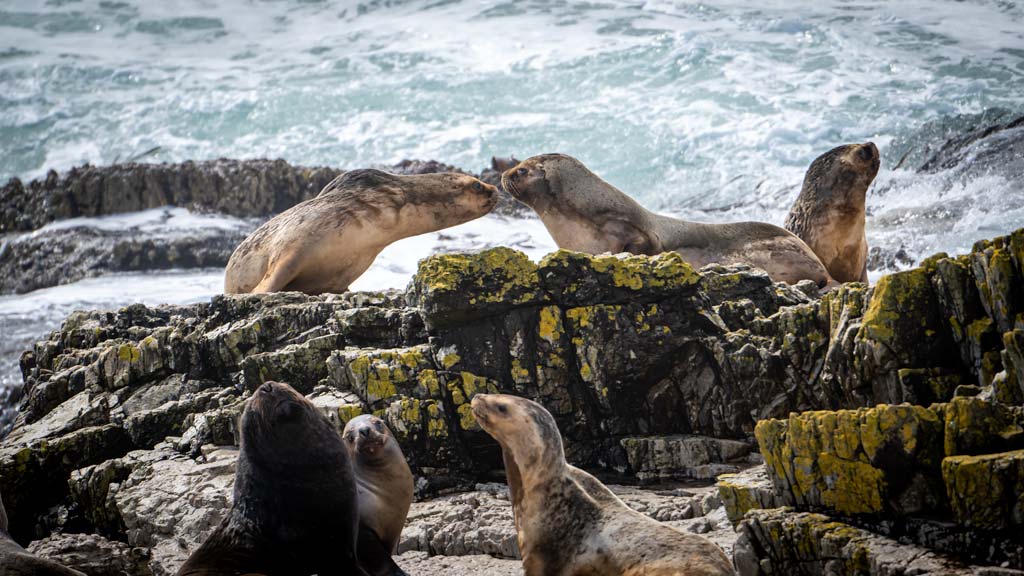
(502, 408)
(522, 171)
(379, 425)
(478, 187)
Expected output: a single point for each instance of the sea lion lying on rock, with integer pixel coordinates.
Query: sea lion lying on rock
(568, 523)
(385, 491)
(325, 243)
(582, 212)
(294, 509)
(829, 213)
(16, 561)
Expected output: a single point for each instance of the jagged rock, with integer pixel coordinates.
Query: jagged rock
(94, 555)
(748, 490)
(777, 541)
(662, 458)
(620, 349)
(986, 491)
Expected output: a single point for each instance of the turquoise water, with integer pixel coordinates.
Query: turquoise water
(706, 110)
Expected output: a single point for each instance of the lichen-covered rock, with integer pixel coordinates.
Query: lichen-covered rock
(865, 461)
(777, 541)
(453, 288)
(577, 279)
(662, 458)
(986, 491)
(748, 490)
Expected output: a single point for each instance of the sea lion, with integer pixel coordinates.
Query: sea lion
(16, 561)
(582, 212)
(385, 490)
(568, 523)
(829, 213)
(323, 244)
(294, 510)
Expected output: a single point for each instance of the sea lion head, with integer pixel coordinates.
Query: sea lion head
(281, 429)
(368, 437)
(580, 210)
(449, 198)
(523, 428)
(841, 176)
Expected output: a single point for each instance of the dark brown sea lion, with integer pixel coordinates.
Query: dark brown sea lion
(294, 510)
(323, 244)
(568, 523)
(16, 561)
(829, 213)
(385, 492)
(584, 213)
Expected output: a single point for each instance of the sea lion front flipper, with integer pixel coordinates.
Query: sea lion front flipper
(374, 556)
(629, 238)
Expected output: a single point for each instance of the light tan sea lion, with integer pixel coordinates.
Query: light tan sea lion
(568, 523)
(323, 244)
(584, 213)
(829, 213)
(385, 492)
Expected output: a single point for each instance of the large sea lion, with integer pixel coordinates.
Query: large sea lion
(16, 561)
(294, 509)
(385, 492)
(323, 244)
(582, 212)
(829, 213)
(568, 523)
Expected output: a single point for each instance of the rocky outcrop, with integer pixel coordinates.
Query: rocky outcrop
(252, 190)
(653, 370)
(941, 472)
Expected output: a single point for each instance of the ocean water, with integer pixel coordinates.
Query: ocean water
(707, 110)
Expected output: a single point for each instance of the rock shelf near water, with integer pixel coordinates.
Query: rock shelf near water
(888, 417)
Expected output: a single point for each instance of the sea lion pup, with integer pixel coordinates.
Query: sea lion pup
(582, 212)
(829, 213)
(323, 244)
(385, 490)
(294, 510)
(568, 523)
(16, 561)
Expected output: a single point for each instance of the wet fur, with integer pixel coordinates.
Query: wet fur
(829, 214)
(584, 213)
(323, 244)
(294, 510)
(568, 523)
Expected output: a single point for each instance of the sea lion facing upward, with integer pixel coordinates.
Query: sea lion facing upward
(829, 213)
(294, 510)
(16, 561)
(323, 244)
(582, 212)
(385, 486)
(568, 523)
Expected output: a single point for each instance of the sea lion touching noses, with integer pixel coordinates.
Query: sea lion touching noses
(829, 213)
(323, 244)
(385, 492)
(568, 523)
(294, 511)
(584, 213)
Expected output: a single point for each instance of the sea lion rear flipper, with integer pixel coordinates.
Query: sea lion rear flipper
(631, 239)
(374, 556)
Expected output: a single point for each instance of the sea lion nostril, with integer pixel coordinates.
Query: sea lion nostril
(364, 432)
(266, 388)
(867, 152)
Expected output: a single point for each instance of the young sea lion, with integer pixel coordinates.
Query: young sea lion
(385, 492)
(568, 523)
(294, 510)
(16, 561)
(829, 213)
(582, 212)
(323, 244)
